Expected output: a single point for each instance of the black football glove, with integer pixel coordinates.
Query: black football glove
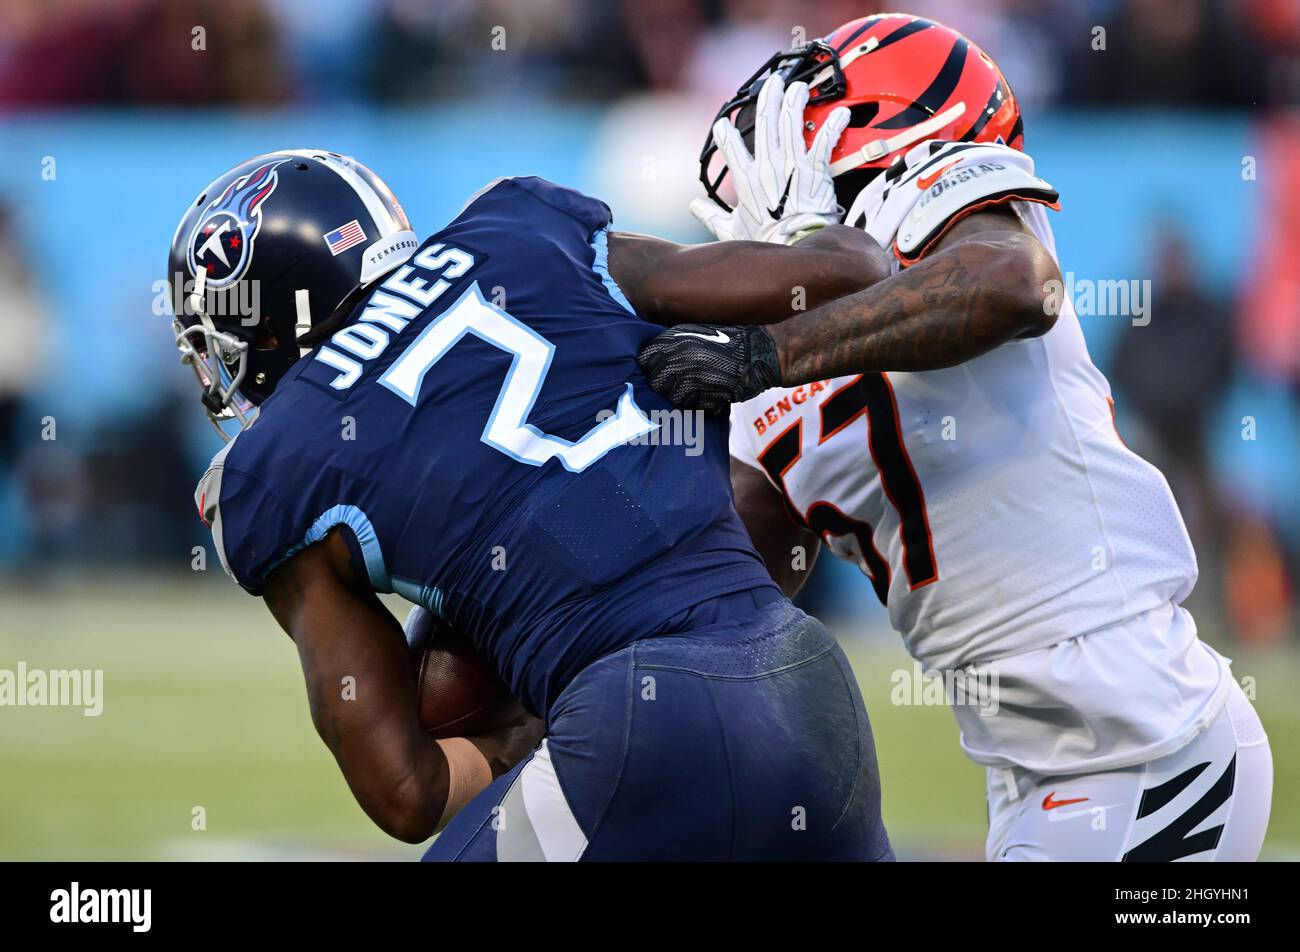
(708, 367)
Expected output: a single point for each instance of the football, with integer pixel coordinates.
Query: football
(458, 693)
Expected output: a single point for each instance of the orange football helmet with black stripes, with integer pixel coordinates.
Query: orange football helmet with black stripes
(905, 79)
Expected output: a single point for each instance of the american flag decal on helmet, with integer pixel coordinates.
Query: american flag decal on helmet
(345, 237)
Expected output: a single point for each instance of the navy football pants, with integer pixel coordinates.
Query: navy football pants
(741, 741)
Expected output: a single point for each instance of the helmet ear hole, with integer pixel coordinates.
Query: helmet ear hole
(265, 337)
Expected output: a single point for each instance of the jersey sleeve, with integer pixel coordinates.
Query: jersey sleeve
(251, 531)
(589, 213)
(940, 183)
(560, 233)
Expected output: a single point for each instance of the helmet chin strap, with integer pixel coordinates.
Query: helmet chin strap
(197, 302)
(882, 147)
(302, 302)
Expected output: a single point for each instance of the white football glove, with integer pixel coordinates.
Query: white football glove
(784, 190)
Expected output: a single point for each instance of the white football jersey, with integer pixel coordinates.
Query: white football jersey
(992, 505)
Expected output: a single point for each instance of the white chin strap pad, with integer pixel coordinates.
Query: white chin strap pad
(302, 324)
(882, 147)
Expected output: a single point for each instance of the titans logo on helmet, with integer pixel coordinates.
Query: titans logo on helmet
(222, 241)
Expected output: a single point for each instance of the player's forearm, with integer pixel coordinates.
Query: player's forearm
(412, 797)
(397, 773)
(950, 308)
(361, 690)
(783, 280)
(409, 804)
(743, 282)
(412, 785)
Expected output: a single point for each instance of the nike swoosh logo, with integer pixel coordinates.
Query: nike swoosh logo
(1050, 804)
(717, 337)
(780, 206)
(925, 181)
(1063, 815)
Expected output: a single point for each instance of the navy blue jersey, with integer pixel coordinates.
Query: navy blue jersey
(481, 428)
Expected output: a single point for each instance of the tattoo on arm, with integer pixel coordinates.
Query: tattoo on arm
(951, 307)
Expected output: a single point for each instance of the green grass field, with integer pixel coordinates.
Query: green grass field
(204, 707)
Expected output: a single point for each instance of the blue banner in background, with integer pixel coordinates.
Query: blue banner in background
(97, 234)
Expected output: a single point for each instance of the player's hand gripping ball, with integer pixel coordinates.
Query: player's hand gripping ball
(458, 693)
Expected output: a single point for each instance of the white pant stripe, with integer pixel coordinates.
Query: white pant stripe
(537, 817)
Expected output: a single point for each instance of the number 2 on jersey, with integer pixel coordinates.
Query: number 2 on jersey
(507, 429)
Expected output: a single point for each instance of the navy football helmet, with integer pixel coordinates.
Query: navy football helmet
(270, 250)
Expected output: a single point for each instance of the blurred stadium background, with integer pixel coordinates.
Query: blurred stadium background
(1176, 149)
